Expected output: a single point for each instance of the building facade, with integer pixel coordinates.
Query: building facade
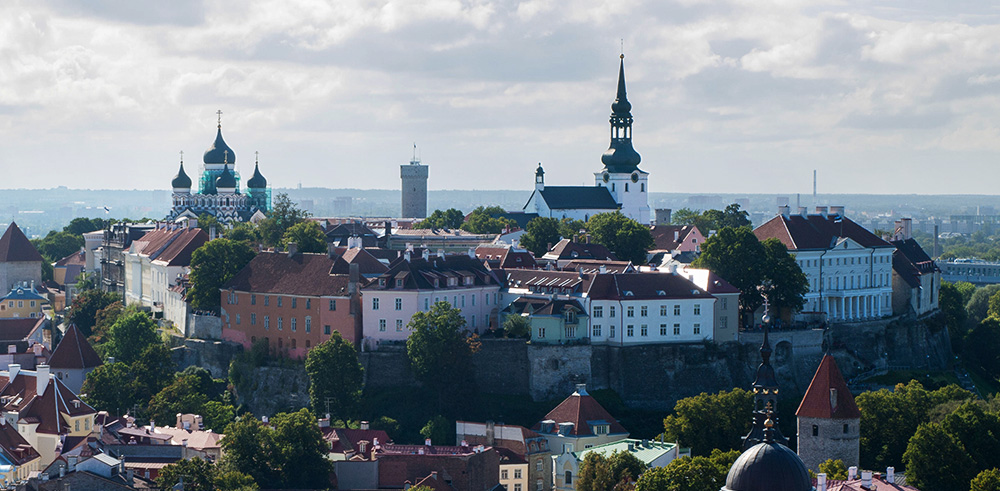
(20, 262)
(155, 262)
(848, 268)
(414, 189)
(829, 422)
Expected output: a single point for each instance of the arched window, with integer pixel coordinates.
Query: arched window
(569, 477)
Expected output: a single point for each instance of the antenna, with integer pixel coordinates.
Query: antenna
(814, 186)
(415, 159)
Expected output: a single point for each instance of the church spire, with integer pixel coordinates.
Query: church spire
(620, 156)
(765, 394)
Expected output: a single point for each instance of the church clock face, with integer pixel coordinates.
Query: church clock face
(606, 177)
(635, 177)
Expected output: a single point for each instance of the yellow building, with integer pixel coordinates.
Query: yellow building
(22, 302)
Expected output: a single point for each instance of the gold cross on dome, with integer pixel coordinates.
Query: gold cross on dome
(219, 113)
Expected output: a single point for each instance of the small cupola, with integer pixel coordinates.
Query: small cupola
(226, 183)
(219, 152)
(181, 182)
(256, 181)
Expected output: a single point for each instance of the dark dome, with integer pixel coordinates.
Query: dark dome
(181, 180)
(768, 466)
(257, 181)
(621, 107)
(226, 180)
(539, 171)
(621, 157)
(219, 152)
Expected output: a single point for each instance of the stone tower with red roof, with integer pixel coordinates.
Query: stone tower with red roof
(829, 422)
(20, 262)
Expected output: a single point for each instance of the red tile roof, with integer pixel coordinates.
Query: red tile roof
(15, 446)
(303, 274)
(19, 329)
(799, 232)
(367, 263)
(579, 410)
(663, 236)
(567, 249)
(817, 402)
(171, 246)
(14, 246)
(74, 351)
(506, 257)
(78, 258)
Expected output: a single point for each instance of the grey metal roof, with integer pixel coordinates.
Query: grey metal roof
(578, 197)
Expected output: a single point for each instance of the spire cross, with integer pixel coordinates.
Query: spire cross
(256, 157)
(219, 113)
(182, 156)
(622, 48)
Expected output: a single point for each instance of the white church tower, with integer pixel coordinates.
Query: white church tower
(621, 174)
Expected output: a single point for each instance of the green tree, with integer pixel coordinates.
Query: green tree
(439, 430)
(595, 473)
(234, 481)
(710, 421)
(539, 233)
(988, 480)
(250, 448)
(244, 232)
(216, 415)
(925, 467)
(689, 473)
(685, 216)
(83, 310)
(517, 326)
(440, 354)
(307, 235)
(979, 302)
(284, 214)
(198, 475)
(980, 345)
(207, 222)
(736, 255)
(181, 396)
(152, 370)
(301, 451)
(111, 387)
(787, 284)
(450, 218)
(103, 320)
(978, 431)
(488, 220)
(57, 245)
(335, 377)
(834, 469)
(212, 265)
(952, 303)
(569, 228)
(130, 335)
(627, 238)
(82, 225)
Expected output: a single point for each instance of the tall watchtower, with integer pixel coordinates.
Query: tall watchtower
(414, 190)
(829, 422)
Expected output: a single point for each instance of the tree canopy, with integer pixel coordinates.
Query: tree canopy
(927, 470)
(488, 220)
(450, 218)
(731, 216)
(710, 421)
(83, 310)
(287, 453)
(627, 238)
(335, 377)
(212, 265)
(307, 235)
(130, 335)
(600, 473)
(284, 215)
(440, 353)
(539, 233)
(82, 225)
(57, 245)
(690, 473)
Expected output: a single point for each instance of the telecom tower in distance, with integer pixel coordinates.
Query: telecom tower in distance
(414, 192)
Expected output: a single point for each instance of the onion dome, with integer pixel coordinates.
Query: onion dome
(256, 181)
(219, 152)
(181, 180)
(768, 466)
(226, 180)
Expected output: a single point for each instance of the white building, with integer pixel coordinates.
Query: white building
(415, 284)
(619, 185)
(155, 262)
(849, 269)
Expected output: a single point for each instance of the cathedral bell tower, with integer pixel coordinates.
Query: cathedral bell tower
(621, 173)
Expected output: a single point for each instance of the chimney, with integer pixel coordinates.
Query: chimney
(472, 253)
(331, 250)
(388, 228)
(111, 360)
(833, 399)
(364, 425)
(837, 210)
(890, 475)
(581, 390)
(180, 421)
(13, 369)
(821, 210)
(440, 252)
(41, 378)
(784, 210)
(866, 479)
(11, 349)
(62, 471)
(907, 231)
(852, 473)
(427, 442)
(325, 423)
(803, 211)
(37, 347)
(130, 476)
(406, 255)
(354, 276)
(293, 249)
(821, 481)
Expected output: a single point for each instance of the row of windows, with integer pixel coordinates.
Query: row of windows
(281, 342)
(382, 324)
(292, 323)
(597, 330)
(598, 311)
(847, 261)
(234, 299)
(504, 474)
(20, 303)
(456, 301)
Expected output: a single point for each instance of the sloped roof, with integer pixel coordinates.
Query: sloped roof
(301, 274)
(910, 262)
(578, 197)
(14, 246)
(663, 235)
(19, 329)
(644, 286)
(367, 263)
(14, 446)
(171, 246)
(579, 409)
(74, 351)
(545, 281)
(594, 266)
(343, 440)
(567, 249)
(799, 232)
(420, 273)
(78, 258)
(497, 257)
(817, 402)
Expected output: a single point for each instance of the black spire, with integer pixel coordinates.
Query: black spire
(765, 397)
(620, 156)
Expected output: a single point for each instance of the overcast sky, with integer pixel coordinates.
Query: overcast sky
(728, 96)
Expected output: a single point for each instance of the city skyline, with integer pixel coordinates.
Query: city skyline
(727, 98)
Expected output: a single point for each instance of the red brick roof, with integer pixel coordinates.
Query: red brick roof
(19, 329)
(567, 249)
(506, 257)
(74, 351)
(15, 446)
(367, 263)
(663, 236)
(799, 232)
(303, 274)
(817, 402)
(14, 246)
(579, 409)
(78, 258)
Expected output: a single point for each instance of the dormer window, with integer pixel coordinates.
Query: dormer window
(628, 293)
(571, 317)
(399, 283)
(468, 280)
(452, 281)
(381, 282)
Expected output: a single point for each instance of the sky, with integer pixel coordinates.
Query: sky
(728, 96)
